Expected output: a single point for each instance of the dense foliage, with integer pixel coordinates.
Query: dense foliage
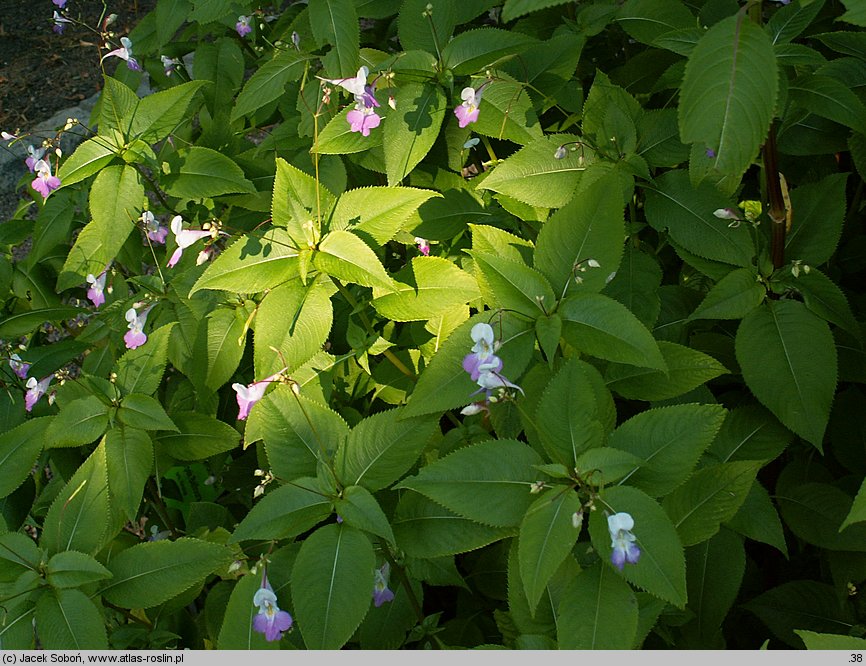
(532, 324)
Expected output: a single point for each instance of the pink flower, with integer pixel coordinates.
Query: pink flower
(467, 112)
(33, 156)
(423, 246)
(97, 287)
(243, 26)
(135, 336)
(249, 395)
(8, 137)
(270, 620)
(18, 366)
(184, 238)
(363, 120)
(44, 183)
(356, 85)
(124, 53)
(35, 390)
(155, 231)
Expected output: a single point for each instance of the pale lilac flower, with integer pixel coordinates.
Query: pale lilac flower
(204, 256)
(35, 390)
(296, 41)
(184, 238)
(381, 593)
(169, 64)
(60, 3)
(44, 183)
(135, 336)
(726, 214)
(392, 102)
(155, 231)
(8, 137)
(356, 85)
(97, 287)
(270, 620)
(467, 112)
(125, 53)
(18, 366)
(423, 246)
(249, 395)
(622, 540)
(475, 408)
(59, 23)
(363, 120)
(490, 379)
(482, 351)
(33, 156)
(710, 153)
(560, 153)
(243, 26)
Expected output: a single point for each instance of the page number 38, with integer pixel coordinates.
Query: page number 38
(856, 658)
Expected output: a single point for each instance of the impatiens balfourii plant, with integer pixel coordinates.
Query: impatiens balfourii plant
(560, 347)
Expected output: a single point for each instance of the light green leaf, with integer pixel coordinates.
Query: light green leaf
(332, 585)
(815, 641)
(818, 221)
(337, 137)
(67, 619)
(477, 50)
(73, 569)
(222, 331)
(606, 464)
(19, 449)
(335, 22)
(788, 359)
(18, 553)
(411, 130)
(378, 213)
(358, 508)
(729, 93)
(285, 512)
(506, 112)
(26, 322)
(414, 28)
(159, 114)
(857, 514)
(513, 285)
(297, 199)
(487, 482)
(81, 421)
(856, 14)
(197, 437)
(200, 173)
(269, 81)
(140, 370)
(129, 459)
(153, 572)
(141, 411)
(732, 297)
(344, 256)
(90, 157)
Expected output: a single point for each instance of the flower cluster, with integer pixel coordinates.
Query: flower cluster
(622, 540)
(270, 620)
(363, 117)
(485, 368)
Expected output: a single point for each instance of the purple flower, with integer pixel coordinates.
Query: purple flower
(363, 117)
(381, 593)
(60, 3)
(35, 390)
(33, 156)
(249, 395)
(184, 238)
(44, 183)
(270, 620)
(155, 231)
(363, 120)
(622, 540)
(423, 246)
(482, 351)
(169, 64)
(467, 112)
(135, 336)
(124, 53)
(18, 366)
(710, 153)
(97, 287)
(243, 26)
(59, 23)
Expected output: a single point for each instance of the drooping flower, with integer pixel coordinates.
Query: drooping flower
(8, 137)
(33, 156)
(467, 112)
(423, 246)
(44, 183)
(482, 351)
(135, 336)
(154, 230)
(125, 53)
(357, 85)
(622, 540)
(250, 394)
(243, 26)
(97, 288)
(475, 408)
(169, 64)
(35, 390)
(490, 378)
(381, 593)
(363, 117)
(59, 23)
(18, 366)
(184, 238)
(270, 620)
(204, 255)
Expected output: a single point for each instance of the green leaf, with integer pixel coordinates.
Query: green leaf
(788, 359)
(256, 262)
(547, 535)
(129, 459)
(603, 327)
(534, 176)
(825, 299)
(856, 14)
(358, 508)
(115, 205)
(857, 514)
(140, 370)
(729, 93)
(296, 195)
(815, 641)
(294, 319)
(335, 22)
(378, 212)
(142, 411)
(818, 221)
(513, 9)
(414, 28)
(507, 112)
(381, 448)
(758, 520)
(223, 329)
(687, 213)
(197, 437)
(116, 105)
(337, 137)
(750, 433)
(237, 631)
(429, 287)
(669, 440)
(19, 449)
(606, 464)
(151, 573)
(710, 497)
(90, 157)
(285, 512)
(269, 81)
(661, 569)
(81, 421)
(815, 513)
(788, 21)
(332, 584)
(513, 285)
(644, 20)
(425, 529)
(73, 569)
(200, 173)
(160, 113)
(829, 98)
(80, 516)
(18, 553)
(598, 612)
(26, 322)
(411, 130)
(687, 369)
(487, 482)
(477, 50)
(732, 297)
(344, 256)
(67, 619)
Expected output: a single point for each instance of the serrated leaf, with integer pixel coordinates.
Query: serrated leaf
(669, 440)
(381, 448)
(732, 297)
(710, 497)
(606, 464)
(714, 572)
(237, 631)
(661, 569)
(223, 329)
(73, 569)
(23, 323)
(285, 512)
(815, 641)
(151, 573)
(414, 27)
(358, 508)
(337, 137)
(729, 93)
(19, 449)
(81, 421)
(644, 20)
(750, 433)
(411, 130)
(141, 411)
(269, 81)
(487, 482)
(788, 360)
(507, 112)
(829, 98)
(332, 583)
(297, 199)
(197, 437)
(67, 619)
(140, 370)
(18, 553)
(335, 22)
(89, 158)
(158, 115)
(825, 299)
(598, 612)
(378, 212)
(200, 173)
(513, 9)
(476, 50)
(344, 256)
(815, 512)
(547, 535)
(129, 459)
(513, 285)
(788, 21)
(820, 211)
